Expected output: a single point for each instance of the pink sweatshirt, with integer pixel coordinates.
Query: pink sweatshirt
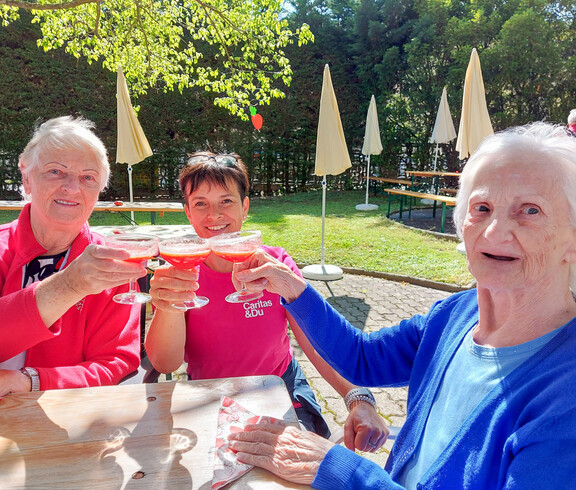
(96, 342)
(227, 340)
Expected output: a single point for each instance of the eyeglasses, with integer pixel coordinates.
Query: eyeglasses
(226, 160)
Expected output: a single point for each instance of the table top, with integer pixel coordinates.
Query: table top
(430, 173)
(157, 435)
(156, 206)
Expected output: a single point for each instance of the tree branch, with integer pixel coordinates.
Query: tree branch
(46, 6)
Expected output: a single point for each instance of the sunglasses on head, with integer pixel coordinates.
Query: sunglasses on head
(226, 160)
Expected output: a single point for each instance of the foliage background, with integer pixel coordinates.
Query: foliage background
(402, 51)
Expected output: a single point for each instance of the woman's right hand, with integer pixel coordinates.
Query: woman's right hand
(262, 271)
(98, 268)
(171, 285)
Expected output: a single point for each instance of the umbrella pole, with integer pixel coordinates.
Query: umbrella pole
(130, 190)
(323, 216)
(367, 178)
(322, 272)
(435, 157)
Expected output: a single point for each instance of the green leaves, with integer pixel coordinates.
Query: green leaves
(231, 48)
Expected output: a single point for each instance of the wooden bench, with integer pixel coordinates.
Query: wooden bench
(451, 192)
(444, 200)
(377, 188)
(392, 181)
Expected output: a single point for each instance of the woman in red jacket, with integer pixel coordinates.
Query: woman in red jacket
(60, 327)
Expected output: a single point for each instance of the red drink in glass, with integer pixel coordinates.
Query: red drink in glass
(186, 253)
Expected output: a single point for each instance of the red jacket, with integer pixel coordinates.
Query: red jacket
(96, 342)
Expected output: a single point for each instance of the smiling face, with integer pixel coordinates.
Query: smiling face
(64, 188)
(517, 230)
(213, 209)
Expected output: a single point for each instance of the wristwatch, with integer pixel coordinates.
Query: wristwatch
(33, 375)
(359, 394)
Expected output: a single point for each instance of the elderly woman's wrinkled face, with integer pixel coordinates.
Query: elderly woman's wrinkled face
(518, 232)
(64, 188)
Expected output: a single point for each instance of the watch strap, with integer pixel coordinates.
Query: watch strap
(359, 394)
(32, 373)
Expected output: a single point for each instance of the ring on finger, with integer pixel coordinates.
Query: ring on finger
(373, 446)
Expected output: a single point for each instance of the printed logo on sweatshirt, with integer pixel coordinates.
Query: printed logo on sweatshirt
(256, 308)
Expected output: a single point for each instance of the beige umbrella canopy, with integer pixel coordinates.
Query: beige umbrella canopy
(372, 146)
(443, 131)
(474, 121)
(332, 158)
(132, 146)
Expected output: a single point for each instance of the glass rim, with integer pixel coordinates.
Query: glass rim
(132, 237)
(236, 235)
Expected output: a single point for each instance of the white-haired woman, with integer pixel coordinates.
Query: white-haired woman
(60, 327)
(491, 371)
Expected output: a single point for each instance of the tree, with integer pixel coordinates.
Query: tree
(231, 48)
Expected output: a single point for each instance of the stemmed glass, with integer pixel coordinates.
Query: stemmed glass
(141, 248)
(186, 253)
(238, 247)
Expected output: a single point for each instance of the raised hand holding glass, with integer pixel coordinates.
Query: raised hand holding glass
(141, 248)
(186, 253)
(238, 247)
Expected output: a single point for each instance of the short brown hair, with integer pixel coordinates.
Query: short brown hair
(218, 169)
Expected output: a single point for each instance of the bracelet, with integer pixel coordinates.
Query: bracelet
(33, 375)
(359, 395)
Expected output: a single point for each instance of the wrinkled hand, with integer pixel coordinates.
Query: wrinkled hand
(285, 451)
(171, 285)
(13, 381)
(262, 271)
(98, 268)
(364, 430)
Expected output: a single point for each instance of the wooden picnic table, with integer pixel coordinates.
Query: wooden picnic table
(154, 435)
(431, 173)
(153, 207)
(434, 176)
(444, 200)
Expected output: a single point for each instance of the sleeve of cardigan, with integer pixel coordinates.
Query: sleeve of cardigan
(343, 469)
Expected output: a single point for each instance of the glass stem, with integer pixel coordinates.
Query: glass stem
(133, 286)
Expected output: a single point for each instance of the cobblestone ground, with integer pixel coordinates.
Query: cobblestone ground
(369, 303)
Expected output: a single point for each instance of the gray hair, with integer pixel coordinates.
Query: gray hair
(551, 143)
(572, 117)
(65, 133)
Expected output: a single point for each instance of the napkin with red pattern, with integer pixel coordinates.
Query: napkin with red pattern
(232, 417)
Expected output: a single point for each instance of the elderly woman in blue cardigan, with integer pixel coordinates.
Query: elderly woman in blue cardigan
(491, 371)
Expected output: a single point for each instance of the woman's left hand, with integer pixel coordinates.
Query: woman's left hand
(13, 381)
(285, 451)
(364, 430)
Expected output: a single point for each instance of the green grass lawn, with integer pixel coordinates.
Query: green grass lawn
(356, 239)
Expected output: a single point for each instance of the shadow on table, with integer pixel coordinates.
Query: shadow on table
(156, 429)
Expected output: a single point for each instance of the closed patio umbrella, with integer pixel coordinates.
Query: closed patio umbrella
(372, 146)
(132, 146)
(443, 131)
(475, 122)
(331, 159)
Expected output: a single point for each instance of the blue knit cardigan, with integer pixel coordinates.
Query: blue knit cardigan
(522, 435)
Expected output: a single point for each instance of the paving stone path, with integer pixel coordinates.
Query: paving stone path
(368, 303)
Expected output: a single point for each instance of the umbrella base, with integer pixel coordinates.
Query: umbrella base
(366, 207)
(322, 272)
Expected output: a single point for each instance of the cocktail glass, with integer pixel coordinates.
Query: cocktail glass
(238, 247)
(186, 253)
(141, 248)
